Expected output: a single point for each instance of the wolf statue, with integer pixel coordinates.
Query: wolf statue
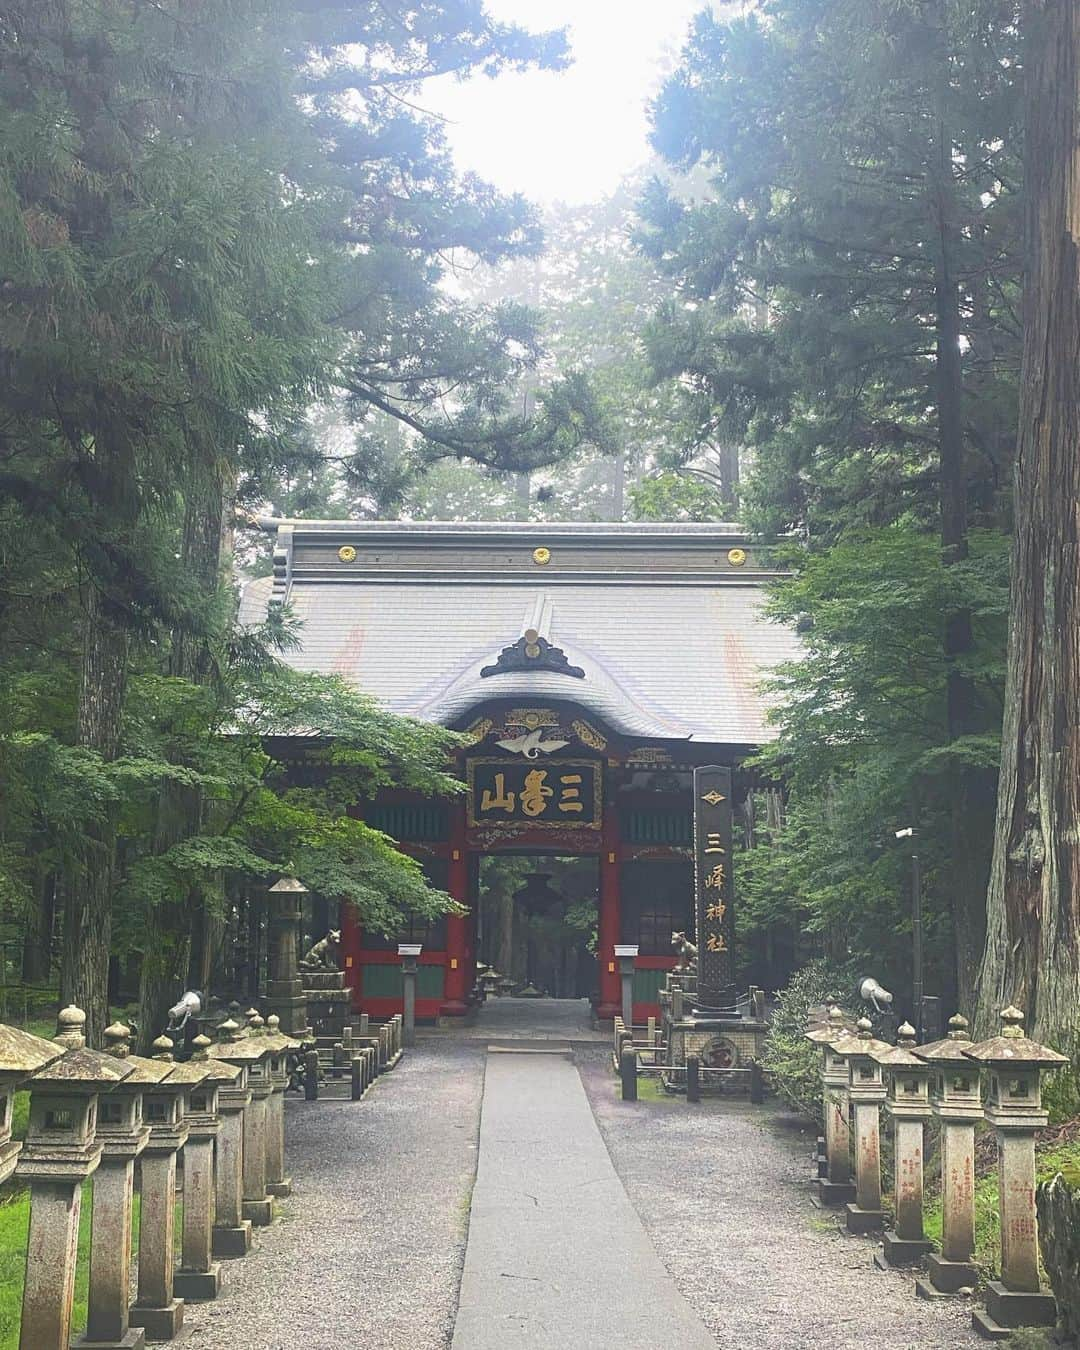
(324, 955)
(687, 952)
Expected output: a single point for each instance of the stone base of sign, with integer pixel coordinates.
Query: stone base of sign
(134, 1340)
(739, 1039)
(1006, 1310)
(160, 1324)
(259, 1213)
(898, 1251)
(864, 1220)
(198, 1285)
(281, 1190)
(833, 1194)
(232, 1242)
(946, 1277)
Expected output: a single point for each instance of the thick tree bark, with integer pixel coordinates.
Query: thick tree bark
(37, 935)
(84, 964)
(1032, 954)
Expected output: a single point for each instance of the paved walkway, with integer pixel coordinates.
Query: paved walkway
(557, 1257)
(542, 1019)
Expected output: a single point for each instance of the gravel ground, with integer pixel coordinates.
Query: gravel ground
(722, 1190)
(370, 1246)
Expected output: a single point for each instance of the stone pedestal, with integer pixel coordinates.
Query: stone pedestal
(626, 955)
(199, 1277)
(409, 953)
(907, 1104)
(866, 1090)
(252, 1053)
(278, 1183)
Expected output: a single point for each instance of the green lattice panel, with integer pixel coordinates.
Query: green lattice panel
(647, 985)
(384, 981)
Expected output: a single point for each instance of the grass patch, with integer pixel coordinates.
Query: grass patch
(14, 1224)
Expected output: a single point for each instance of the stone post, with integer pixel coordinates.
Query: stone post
(199, 1276)
(277, 1182)
(123, 1135)
(285, 990)
(835, 1187)
(232, 1232)
(866, 1091)
(1014, 1108)
(409, 951)
(956, 1102)
(628, 1072)
(693, 1078)
(626, 955)
(157, 1309)
(907, 1104)
(60, 1152)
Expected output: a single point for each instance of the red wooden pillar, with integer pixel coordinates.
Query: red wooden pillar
(608, 926)
(457, 928)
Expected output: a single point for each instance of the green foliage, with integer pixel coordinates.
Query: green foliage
(792, 1062)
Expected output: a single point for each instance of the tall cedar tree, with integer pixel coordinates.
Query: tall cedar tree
(859, 225)
(1032, 955)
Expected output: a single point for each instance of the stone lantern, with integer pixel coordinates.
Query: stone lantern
(20, 1055)
(199, 1276)
(277, 1183)
(60, 1152)
(157, 1309)
(252, 1053)
(907, 1104)
(835, 1187)
(232, 1232)
(956, 1102)
(1015, 1066)
(285, 990)
(123, 1135)
(866, 1092)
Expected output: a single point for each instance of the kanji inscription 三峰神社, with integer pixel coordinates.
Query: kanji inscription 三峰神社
(555, 794)
(712, 884)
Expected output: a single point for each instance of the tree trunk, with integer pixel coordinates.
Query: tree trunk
(1032, 954)
(37, 938)
(177, 929)
(88, 886)
(967, 796)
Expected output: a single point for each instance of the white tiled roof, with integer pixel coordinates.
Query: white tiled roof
(663, 657)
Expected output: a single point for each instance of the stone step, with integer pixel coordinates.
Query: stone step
(561, 1049)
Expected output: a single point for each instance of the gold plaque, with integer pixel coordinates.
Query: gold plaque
(541, 556)
(736, 556)
(347, 553)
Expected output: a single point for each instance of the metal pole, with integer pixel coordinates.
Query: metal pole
(916, 944)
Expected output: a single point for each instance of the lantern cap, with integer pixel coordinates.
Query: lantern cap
(288, 884)
(22, 1053)
(836, 1024)
(901, 1055)
(1011, 1046)
(162, 1047)
(70, 1027)
(949, 1050)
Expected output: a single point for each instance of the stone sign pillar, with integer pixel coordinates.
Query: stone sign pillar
(1014, 1107)
(956, 1102)
(285, 990)
(123, 1135)
(907, 1104)
(866, 1089)
(232, 1232)
(835, 1187)
(157, 1309)
(409, 952)
(712, 887)
(626, 955)
(60, 1152)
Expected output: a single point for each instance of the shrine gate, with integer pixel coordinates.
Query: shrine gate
(592, 668)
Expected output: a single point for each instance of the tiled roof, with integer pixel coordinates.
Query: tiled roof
(668, 630)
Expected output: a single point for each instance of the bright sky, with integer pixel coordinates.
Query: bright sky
(568, 136)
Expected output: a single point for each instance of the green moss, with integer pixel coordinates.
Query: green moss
(652, 1090)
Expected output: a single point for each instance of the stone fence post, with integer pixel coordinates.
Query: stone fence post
(1015, 1066)
(60, 1152)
